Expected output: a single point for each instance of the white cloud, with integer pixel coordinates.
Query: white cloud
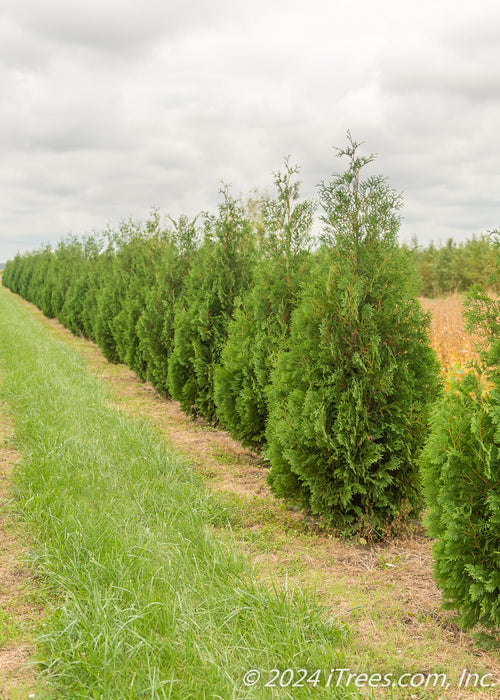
(114, 27)
(109, 108)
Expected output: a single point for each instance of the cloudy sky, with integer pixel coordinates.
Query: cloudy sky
(111, 107)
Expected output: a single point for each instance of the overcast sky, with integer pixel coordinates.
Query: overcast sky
(111, 107)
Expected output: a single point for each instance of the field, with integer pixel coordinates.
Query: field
(449, 339)
(381, 597)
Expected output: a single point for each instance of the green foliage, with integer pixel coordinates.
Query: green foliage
(135, 263)
(109, 305)
(11, 273)
(461, 475)
(450, 268)
(99, 261)
(261, 320)
(111, 298)
(128, 273)
(220, 272)
(118, 288)
(74, 312)
(30, 276)
(155, 327)
(482, 313)
(349, 399)
(79, 309)
(38, 290)
(66, 267)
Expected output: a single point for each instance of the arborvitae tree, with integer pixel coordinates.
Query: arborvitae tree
(33, 286)
(67, 267)
(136, 262)
(220, 272)
(19, 272)
(8, 272)
(31, 276)
(100, 256)
(261, 320)
(12, 273)
(461, 475)
(75, 308)
(155, 327)
(109, 299)
(349, 400)
(114, 318)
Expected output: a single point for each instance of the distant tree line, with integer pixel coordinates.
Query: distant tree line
(319, 356)
(454, 267)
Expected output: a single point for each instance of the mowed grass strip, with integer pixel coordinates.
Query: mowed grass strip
(151, 604)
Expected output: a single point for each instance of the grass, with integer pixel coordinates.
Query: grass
(20, 593)
(10, 628)
(150, 601)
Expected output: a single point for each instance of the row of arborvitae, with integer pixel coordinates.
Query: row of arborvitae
(321, 358)
(461, 474)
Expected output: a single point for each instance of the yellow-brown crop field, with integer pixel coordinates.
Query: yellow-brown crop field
(449, 338)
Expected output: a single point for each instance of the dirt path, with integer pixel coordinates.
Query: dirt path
(18, 614)
(385, 593)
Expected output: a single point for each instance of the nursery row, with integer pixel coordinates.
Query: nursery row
(321, 358)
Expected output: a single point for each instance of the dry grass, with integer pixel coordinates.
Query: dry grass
(449, 338)
(385, 593)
